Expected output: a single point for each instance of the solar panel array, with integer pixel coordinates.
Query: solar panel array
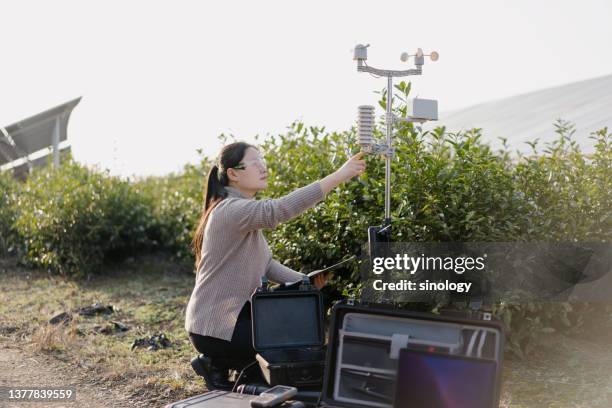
(31, 135)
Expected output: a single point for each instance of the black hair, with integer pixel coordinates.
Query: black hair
(214, 188)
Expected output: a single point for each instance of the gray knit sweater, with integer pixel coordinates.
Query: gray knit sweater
(235, 256)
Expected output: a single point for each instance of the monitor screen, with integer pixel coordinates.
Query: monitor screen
(287, 321)
(435, 380)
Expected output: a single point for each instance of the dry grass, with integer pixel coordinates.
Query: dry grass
(150, 296)
(48, 338)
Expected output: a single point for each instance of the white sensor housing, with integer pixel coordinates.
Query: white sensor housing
(422, 109)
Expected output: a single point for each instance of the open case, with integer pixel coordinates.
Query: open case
(289, 336)
(380, 356)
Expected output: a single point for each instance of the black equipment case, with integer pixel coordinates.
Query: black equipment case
(365, 340)
(225, 399)
(289, 335)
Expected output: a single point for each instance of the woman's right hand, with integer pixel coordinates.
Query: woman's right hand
(355, 166)
(319, 280)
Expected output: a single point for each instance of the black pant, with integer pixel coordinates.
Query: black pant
(229, 354)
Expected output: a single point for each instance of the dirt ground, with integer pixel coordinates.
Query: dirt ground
(19, 369)
(567, 372)
(148, 297)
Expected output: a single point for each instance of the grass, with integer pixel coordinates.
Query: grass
(149, 295)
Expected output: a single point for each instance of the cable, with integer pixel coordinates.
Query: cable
(482, 342)
(241, 374)
(472, 341)
(367, 66)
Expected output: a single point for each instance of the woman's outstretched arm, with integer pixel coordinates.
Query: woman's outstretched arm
(249, 214)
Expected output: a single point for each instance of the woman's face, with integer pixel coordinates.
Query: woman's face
(251, 174)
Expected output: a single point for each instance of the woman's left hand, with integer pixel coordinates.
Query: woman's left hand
(319, 281)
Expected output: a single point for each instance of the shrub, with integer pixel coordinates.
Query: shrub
(445, 187)
(176, 201)
(569, 192)
(74, 219)
(8, 214)
(569, 199)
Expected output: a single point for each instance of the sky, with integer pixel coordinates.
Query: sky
(161, 79)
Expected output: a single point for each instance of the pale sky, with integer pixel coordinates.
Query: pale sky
(162, 79)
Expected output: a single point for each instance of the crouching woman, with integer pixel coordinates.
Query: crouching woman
(232, 254)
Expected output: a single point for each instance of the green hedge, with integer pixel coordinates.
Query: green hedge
(177, 201)
(445, 187)
(73, 220)
(8, 214)
(569, 192)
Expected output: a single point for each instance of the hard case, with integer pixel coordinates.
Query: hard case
(289, 336)
(225, 399)
(365, 341)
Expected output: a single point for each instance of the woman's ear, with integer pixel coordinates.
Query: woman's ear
(231, 175)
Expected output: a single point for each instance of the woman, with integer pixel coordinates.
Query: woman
(232, 254)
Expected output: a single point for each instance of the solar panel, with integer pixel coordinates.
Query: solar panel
(35, 133)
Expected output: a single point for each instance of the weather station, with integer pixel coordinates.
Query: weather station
(418, 111)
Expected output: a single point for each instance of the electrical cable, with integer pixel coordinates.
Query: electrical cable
(471, 343)
(241, 374)
(482, 342)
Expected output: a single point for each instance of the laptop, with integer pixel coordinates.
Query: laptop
(436, 380)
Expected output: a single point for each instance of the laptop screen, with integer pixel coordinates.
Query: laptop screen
(434, 380)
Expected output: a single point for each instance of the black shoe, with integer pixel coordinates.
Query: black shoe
(216, 378)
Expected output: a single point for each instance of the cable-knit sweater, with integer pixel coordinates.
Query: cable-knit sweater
(235, 256)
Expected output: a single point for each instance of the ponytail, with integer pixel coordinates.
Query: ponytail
(215, 187)
(214, 190)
